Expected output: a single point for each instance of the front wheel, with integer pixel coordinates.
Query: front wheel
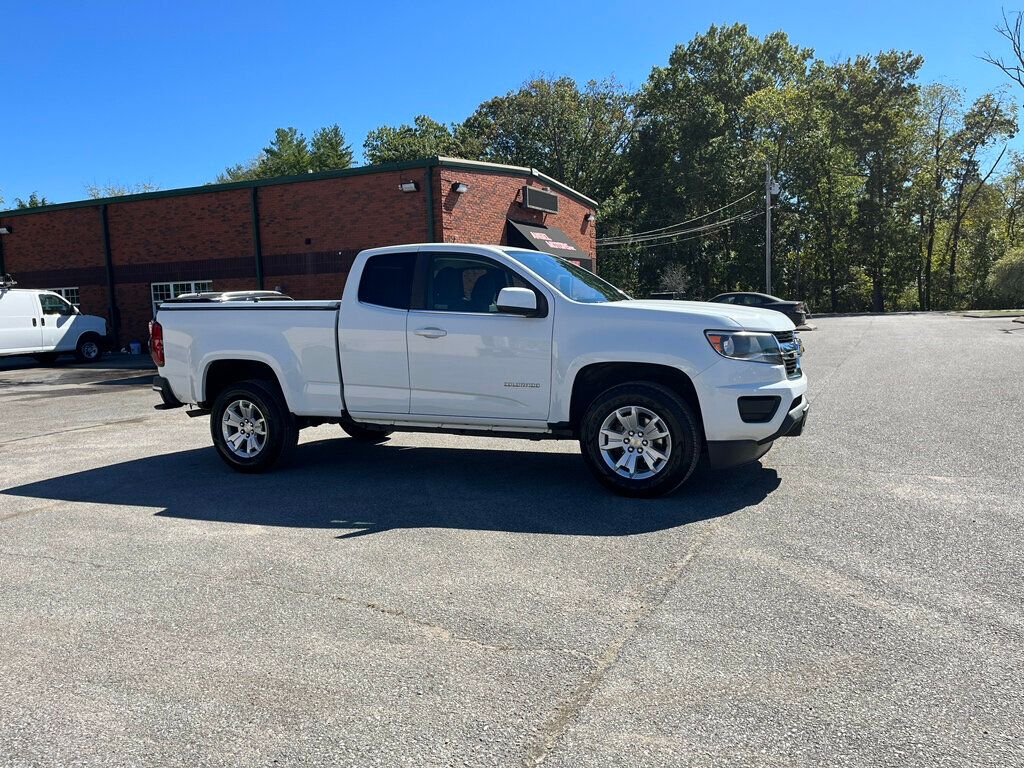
(252, 427)
(88, 349)
(640, 439)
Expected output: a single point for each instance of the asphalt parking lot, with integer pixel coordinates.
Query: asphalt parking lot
(855, 598)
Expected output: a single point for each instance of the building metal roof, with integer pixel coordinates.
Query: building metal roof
(430, 162)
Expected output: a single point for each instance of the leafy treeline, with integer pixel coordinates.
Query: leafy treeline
(894, 194)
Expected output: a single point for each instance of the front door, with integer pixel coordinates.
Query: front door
(468, 360)
(57, 319)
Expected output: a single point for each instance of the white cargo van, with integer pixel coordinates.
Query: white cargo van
(43, 324)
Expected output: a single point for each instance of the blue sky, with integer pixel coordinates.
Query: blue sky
(171, 92)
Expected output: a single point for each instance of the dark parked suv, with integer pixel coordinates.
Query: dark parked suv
(794, 310)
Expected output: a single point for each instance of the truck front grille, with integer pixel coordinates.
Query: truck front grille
(790, 352)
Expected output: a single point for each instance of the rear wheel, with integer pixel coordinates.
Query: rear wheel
(367, 433)
(640, 439)
(88, 349)
(252, 427)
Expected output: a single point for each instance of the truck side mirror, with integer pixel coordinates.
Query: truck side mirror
(517, 301)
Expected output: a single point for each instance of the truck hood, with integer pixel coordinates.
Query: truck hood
(727, 315)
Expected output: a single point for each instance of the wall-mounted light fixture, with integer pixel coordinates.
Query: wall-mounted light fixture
(5, 230)
(409, 186)
(459, 187)
(590, 218)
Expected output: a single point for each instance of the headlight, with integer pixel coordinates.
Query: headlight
(746, 345)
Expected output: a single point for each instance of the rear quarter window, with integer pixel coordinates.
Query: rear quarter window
(387, 280)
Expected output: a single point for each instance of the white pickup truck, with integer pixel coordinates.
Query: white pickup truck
(488, 340)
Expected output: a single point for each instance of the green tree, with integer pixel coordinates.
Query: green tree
(576, 135)
(245, 171)
(328, 150)
(35, 200)
(695, 149)
(941, 112)
(424, 138)
(880, 102)
(111, 189)
(1006, 280)
(989, 121)
(287, 155)
(290, 154)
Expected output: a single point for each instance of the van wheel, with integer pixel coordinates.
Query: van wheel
(640, 439)
(252, 427)
(367, 433)
(88, 349)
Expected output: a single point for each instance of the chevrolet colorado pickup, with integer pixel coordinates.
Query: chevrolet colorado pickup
(488, 340)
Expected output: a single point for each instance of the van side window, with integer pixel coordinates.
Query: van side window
(387, 280)
(54, 305)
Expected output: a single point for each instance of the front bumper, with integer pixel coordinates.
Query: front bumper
(723, 454)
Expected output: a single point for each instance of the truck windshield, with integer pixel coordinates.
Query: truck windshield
(573, 282)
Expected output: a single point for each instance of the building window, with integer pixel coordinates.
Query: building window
(164, 291)
(70, 295)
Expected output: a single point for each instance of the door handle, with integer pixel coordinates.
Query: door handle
(42, 320)
(431, 333)
(34, 323)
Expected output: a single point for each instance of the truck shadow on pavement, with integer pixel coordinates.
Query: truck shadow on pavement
(359, 489)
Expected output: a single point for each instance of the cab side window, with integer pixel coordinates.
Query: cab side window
(387, 280)
(467, 284)
(54, 305)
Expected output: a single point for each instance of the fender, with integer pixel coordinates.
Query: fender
(199, 387)
(563, 380)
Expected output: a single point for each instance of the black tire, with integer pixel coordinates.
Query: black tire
(280, 430)
(683, 441)
(89, 348)
(46, 358)
(367, 433)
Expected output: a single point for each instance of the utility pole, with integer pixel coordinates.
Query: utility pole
(767, 227)
(771, 187)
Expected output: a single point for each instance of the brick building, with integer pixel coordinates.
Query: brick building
(114, 257)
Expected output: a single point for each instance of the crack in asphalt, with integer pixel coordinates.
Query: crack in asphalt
(30, 512)
(118, 422)
(437, 631)
(570, 710)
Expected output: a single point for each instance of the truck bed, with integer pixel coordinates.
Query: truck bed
(297, 340)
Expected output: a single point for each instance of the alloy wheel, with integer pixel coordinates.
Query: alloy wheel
(244, 428)
(635, 442)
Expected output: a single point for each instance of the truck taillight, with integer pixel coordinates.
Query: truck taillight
(156, 343)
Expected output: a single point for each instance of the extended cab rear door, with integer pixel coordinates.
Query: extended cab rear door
(465, 358)
(371, 335)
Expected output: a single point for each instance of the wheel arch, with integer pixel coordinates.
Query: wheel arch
(593, 379)
(87, 334)
(221, 373)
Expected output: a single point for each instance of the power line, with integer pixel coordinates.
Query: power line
(651, 232)
(700, 232)
(704, 229)
(615, 238)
